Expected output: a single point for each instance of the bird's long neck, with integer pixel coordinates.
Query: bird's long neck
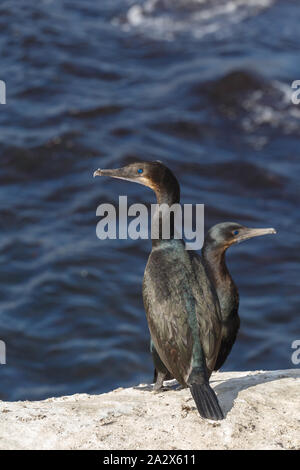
(214, 261)
(167, 193)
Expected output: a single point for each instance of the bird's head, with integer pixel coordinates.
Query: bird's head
(222, 236)
(155, 175)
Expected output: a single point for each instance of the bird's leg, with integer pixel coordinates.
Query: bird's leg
(161, 373)
(159, 384)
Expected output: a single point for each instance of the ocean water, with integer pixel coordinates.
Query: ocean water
(204, 86)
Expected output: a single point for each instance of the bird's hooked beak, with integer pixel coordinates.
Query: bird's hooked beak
(124, 173)
(253, 232)
(113, 173)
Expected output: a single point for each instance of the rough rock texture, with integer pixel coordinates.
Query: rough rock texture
(262, 412)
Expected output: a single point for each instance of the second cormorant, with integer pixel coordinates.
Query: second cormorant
(218, 239)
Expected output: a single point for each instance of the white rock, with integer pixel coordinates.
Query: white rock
(262, 412)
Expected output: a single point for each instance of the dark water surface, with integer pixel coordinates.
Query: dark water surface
(203, 86)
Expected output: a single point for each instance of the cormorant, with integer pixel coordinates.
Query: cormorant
(218, 239)
(181, 303)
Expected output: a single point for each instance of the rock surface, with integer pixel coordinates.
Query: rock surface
(262, 412)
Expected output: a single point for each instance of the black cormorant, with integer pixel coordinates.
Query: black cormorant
(218, 239)
(181, 303)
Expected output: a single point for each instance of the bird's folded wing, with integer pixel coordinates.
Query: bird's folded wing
(208, 313)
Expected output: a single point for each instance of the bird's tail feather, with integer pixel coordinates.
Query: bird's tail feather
(206, 401)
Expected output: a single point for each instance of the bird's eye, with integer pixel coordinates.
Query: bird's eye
(140, 170)
(236, 232)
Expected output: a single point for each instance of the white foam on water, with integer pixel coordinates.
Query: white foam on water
(277, 112)
(164, 19)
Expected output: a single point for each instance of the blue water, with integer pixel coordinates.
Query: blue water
(202, 86)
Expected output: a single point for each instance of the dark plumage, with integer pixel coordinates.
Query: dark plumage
(181, 303)
(218, 239)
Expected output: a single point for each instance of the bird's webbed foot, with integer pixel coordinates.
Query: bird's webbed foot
(159, 384)
(181, 387)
